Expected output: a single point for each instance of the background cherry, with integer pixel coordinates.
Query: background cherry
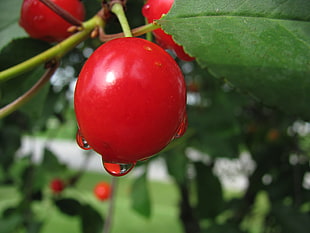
(57, 185)
(130, 100)
(40, 22)
(153, 10)
(102, 191)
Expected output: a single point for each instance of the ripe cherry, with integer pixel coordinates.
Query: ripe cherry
(153, 10)
(102, 191)
(40, 22)
(130, 101)
(57, 185)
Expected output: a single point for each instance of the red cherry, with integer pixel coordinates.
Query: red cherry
(153, 10)
(40, 22)
(102, 191)
(130, 100)
(57, 186)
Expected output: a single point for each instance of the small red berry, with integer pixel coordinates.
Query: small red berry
(57, 186)
(40, 22)
(273, 135)
(130, 100)
(102, 191)
(153, 10)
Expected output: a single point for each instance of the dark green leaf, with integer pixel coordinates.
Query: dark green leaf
(69, 206)
(33, 180)
(51, 163)
(290, 219)
(225, 228)
(19, 167)
(140, 196)
(9, 17)
(91, 220)
(261, 47)
(10, 142)
(217, 129)
(34, 226)
(209, 192)
(177, 161)
(11, 223)
(18, 51)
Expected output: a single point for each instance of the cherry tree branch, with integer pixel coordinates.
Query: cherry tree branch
(62, 13)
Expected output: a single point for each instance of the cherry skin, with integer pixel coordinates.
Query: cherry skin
(153, 10)
(42, 23)
(130, 100)
(57, 186)
(102, 191)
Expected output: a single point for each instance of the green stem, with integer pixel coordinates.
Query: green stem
(135, 32)
(55, 52)
(145, 29)
(8, 109)
(118, 10)
(111, 208)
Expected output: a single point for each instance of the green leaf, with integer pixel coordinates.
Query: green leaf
(140, 196)
(35, 226)
(262, 47)
(290, 219)
(209, 192)
(91, 220)
(9, 17)
(51, 163)
(69, 206)
(217, 129)
(177, 162)
(227, 227)
(10, 223)
(15, 52)
(10, 136)
(32, 181)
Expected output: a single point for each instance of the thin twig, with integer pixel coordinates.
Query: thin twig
(138, 31)
(62, 13)
(109, 218)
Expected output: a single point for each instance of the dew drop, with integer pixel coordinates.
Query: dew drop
(182, 128)
(80, 140)
(118, 169)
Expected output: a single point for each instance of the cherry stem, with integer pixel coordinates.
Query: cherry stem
(110, 214)
(135, 32)
(62, 13)
(20, 101)
(118, 9)
(56, 52)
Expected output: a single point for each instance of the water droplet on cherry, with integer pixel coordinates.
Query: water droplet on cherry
(182, 128)
(118, 169)
(80, 140)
